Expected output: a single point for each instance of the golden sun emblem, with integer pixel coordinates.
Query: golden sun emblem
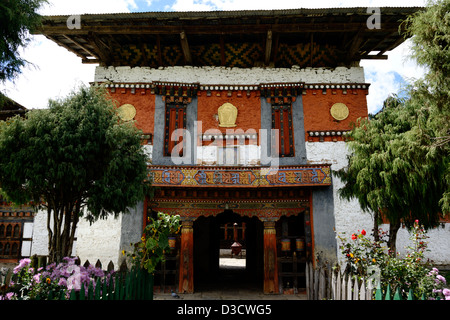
(339, 111)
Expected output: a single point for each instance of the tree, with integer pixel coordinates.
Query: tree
(17, 18)
(399, 162)
(430, 32)
(75, 159)
(389, 171)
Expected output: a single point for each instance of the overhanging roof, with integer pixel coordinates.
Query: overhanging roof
(10, 108)
(281, 38)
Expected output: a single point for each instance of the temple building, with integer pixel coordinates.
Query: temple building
(16, 222)
(244, 117)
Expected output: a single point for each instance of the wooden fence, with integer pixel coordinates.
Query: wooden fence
(124, 284)
(324, 283)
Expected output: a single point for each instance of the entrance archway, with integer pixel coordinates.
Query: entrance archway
(205, 210)
(213, 238)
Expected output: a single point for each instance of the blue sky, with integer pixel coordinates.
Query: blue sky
(54, 71)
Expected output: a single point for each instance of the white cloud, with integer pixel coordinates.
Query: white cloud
(54, 72)
(381, 74)
(63, 7)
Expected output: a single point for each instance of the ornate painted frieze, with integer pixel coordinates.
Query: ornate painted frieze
(263, 209)
(240, 177)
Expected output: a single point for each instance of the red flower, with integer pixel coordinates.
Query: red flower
(354, 237)
(363, 232)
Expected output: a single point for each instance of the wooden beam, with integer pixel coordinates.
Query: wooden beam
(90, 61)
(268, 47)
(185, 47)
(158, 44)
(393, 45)
(372, 57)
(81, 46)
(355, 45)
(104, 53)
(207, 29)
(222, 50)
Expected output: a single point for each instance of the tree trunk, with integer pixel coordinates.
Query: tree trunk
(62, 235)
(376, 233)
(393, 230)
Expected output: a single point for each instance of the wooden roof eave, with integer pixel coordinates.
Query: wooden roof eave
(349, 24)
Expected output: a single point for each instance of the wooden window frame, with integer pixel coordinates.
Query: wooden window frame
(175, 118)
(10, 240)
(282, 121)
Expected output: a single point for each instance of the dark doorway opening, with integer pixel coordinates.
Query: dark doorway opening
(215, 266)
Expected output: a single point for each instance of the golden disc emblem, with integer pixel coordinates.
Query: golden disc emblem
(126, 112)
(339, 111)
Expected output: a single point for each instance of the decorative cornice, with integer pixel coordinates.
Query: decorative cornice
(266, 89)
(327, 135)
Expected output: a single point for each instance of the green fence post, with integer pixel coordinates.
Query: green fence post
(398, 294)
(411, 295)
(388, 293)
(379, 292)
(117, 285)
(90, 292)
(98, 287)
(127, 292)
(82, 292)
(104, 290)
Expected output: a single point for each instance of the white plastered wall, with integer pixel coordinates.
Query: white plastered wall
(229, 76)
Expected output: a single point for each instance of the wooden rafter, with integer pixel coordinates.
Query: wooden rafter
(268, 47)
(78, 44)
(104, 53)
(185, 47)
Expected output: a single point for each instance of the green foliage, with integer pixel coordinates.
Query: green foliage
(409, 273)
(391, 168)
(399, 164)
(430, 35)
(76, 154)
(17, 18)
(155, 241)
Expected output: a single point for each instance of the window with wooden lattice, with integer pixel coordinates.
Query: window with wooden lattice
(174, 131)
(282, 122)
(10, 240)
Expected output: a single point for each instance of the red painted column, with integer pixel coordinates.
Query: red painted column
(186, 281)
(270, 258)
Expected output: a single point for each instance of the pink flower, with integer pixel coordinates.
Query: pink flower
(446, 293)
(22, 264)
(37, 277)
(441, 278)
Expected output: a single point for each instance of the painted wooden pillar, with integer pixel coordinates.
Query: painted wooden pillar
(270, 258)
(186, 281)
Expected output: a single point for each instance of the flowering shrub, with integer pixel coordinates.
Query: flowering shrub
(362, 253)
(412, 271)
(53, 280)
(155, 240)
(434, 284)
